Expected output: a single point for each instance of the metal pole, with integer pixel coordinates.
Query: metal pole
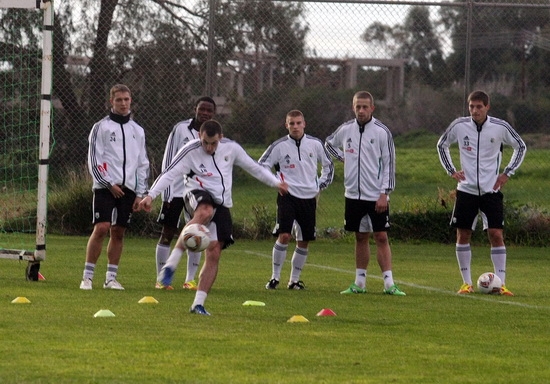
(468, 48)
(210, 53)
(45, 121)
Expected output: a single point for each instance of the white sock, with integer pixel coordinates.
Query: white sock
(388, 279)
(464, 257)
(111, 272)
(298, 260)
(175, 258)
(200, 298)
(361, 277)
(193, 262)
(498, 257)
(161, 255)
(89, 269)
(278, 256)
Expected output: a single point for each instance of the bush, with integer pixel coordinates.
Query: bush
(69, 213)
(526, 225)
(70, 203)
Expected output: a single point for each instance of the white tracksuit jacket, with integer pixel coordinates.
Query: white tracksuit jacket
(297, 162)
(182, 133)
(480, 152)
(212, 173)
(117, 154)
(369, 158)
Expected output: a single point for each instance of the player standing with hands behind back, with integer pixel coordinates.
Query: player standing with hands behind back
(118, 163)
(365, 145)
(296, 157)
(480, 140)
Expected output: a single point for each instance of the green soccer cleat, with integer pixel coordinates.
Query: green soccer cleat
(394, 290)
(353, 288)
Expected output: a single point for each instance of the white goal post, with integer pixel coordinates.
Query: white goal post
(39, 253)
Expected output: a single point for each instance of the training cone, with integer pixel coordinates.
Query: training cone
(297, 319)
(21, 300)
(104, 313)
(41, 276)
(148, 300)
(254, 303)
(326, 312)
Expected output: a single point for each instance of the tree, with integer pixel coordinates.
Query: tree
(415, 40)
(502, 41)
(112, 38)
(268, 29)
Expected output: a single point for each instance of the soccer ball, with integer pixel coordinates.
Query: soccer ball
(489, 283)
(196, 237)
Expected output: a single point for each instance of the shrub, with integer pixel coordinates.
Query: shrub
(70, 203)
(69, 212)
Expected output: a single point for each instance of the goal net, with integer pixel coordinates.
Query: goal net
(25, 102)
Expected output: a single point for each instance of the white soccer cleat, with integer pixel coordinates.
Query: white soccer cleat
(86, 284)
(113, 284)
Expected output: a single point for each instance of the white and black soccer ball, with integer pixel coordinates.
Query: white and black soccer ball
(196, 237)
(489, 283)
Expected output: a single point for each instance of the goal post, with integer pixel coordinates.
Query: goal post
(25, 99)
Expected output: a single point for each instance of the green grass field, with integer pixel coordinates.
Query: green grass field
(430, 336)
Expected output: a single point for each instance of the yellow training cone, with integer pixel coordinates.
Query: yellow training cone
(104, 313)
(20, 300)
(254, 303)
(297, 319)
(148, 300)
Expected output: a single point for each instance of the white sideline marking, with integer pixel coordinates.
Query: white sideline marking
(400, 282)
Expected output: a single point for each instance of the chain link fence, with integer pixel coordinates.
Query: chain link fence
(260, 59)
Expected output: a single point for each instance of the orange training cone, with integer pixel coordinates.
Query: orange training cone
(41, 276)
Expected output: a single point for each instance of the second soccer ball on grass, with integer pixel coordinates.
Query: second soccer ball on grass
(489, 283)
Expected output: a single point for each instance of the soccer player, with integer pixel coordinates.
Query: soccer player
(172, 198)
(365, 145)
(208, 164)
(480, 141)
(295, 158)
(118, 163)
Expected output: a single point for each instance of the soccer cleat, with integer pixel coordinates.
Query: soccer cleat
(86, 284)
(165, 276)
(272, 284)
(190, 285)
(159, 285)
(465, 289)
(505, 291)
(298, 285)
(199, 310)
(113, 284)
(395, 291)
(354, 288)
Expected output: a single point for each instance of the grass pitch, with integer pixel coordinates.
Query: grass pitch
(430, 336)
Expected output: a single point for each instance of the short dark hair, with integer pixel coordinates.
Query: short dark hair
(211, 128)
(479, 96)
(207, 99)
